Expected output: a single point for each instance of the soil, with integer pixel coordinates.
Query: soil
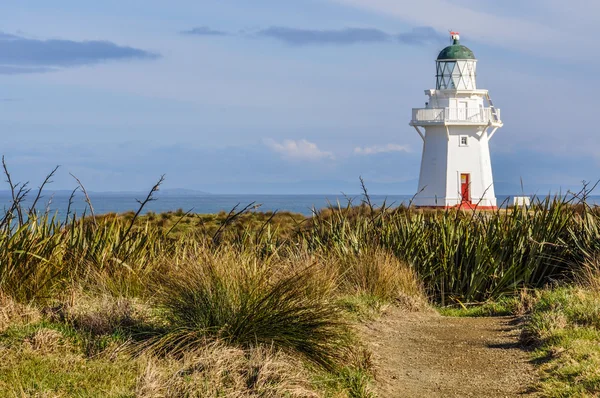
(428, 355)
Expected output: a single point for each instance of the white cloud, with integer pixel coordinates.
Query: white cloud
(524, 32)
(298, 150)
(373, 150)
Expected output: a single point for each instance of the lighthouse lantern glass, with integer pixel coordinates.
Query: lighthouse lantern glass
(456, 75)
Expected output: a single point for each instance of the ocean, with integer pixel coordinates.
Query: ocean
(204, 203)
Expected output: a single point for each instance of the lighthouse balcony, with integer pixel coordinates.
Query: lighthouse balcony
(455, 116)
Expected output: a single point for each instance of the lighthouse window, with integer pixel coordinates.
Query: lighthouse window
(464, 140)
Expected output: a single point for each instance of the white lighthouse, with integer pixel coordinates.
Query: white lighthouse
(456, 125)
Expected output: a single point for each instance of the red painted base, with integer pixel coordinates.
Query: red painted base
(462, 206)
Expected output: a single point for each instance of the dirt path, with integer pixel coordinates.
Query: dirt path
(427, 355)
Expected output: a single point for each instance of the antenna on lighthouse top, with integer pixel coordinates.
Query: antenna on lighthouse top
(455, 36)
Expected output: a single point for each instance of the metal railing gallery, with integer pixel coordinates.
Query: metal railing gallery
(467, 115)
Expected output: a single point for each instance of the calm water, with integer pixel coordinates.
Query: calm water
(122, 202)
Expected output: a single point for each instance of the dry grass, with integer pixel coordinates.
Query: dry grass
(217, 370)
(99, 314)
(14, 313)
(104, 314)
(589, 274)
(45, 341)
(379, 274)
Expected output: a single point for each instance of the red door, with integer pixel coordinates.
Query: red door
(465, 185)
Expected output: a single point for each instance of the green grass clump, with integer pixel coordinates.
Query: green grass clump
(560, 309)
(360, 307)
(354, 382)
(32, 374)
(46, 359)
(564, 329)
(502, 307)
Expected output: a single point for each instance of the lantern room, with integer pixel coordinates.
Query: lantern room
(456, 67)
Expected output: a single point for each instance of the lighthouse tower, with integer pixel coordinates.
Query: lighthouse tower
(456, 126)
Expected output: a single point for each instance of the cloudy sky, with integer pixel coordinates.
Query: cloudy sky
(233, 96)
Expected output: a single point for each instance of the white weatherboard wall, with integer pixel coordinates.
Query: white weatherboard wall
(444, 159)
(473, 159)
(456, 126)
(432, 183)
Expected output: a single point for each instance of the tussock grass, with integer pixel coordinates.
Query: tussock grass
(378, 274)
(234, 298)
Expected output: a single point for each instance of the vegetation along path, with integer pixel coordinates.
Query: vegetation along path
(428, 355)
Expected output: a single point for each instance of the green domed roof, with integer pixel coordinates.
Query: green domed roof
(456, 51)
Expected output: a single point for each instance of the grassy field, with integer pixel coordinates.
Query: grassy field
(263, 304)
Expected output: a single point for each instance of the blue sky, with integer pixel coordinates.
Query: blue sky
(277, 97)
